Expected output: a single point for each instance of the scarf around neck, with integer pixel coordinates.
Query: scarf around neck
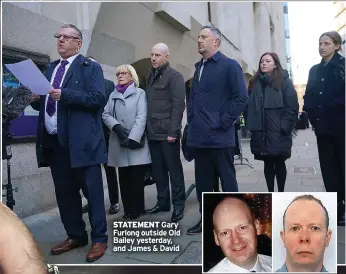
(264, 79)
(263, 96)
(122, 88)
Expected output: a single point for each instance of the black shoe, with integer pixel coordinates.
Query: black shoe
(197, 229)
(136, 216)
(157, 209)
(114, 209)
(177, 215)
(85, 208)
(126, 216)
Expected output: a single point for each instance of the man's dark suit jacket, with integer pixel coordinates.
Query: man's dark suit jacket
(79, 115)
(109, 85)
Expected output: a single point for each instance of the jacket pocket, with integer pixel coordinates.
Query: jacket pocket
(160, 92)
(161, 122)
(159, 86)
(212, 120)
(285, 126)
(272, 122)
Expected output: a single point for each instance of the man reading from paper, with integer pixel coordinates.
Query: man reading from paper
(70, 141)
(235, 231)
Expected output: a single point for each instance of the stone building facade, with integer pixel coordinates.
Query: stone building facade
(124, 32)
(340, 20)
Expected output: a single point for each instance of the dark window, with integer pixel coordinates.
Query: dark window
(24, 126)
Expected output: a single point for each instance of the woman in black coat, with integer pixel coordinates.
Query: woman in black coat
(324, 101)
(271, 117)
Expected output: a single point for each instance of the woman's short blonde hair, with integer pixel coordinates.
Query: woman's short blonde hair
(130, 69)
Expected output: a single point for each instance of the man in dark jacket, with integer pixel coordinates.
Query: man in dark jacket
(218, 97)
(166, 104)
(324, 101)
(70, 141)
(111, 172)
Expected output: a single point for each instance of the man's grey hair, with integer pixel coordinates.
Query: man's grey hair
(308, 198)
(216, 32)
(71, 26)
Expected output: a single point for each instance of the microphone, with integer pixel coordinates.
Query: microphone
(14, 101)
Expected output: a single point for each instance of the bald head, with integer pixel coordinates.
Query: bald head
(228, 205)
(159, 55)
(235, 231)
(162, 48)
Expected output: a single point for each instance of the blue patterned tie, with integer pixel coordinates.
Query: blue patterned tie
(51, 103)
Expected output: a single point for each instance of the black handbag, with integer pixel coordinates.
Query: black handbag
(188, 152)
(148, 176)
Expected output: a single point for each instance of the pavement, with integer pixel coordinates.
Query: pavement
(304, 175)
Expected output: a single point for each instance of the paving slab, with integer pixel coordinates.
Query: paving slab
(303, 175)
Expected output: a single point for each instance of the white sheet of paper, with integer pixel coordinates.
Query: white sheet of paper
(30, 76)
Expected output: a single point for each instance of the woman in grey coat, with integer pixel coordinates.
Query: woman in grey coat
(125, 115)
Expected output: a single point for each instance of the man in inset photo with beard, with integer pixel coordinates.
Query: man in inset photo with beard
(235, 232)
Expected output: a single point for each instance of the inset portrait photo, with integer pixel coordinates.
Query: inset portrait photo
(237, 232)
(305, 232)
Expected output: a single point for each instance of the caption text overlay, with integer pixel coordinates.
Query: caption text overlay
(145, 236)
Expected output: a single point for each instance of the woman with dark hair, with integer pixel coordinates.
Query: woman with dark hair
(271, 117)
(324, 101)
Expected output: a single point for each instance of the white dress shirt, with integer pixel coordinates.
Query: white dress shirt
(201, 70)
(263, 264)
(51, 121)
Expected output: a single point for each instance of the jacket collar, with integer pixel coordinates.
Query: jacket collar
(129, 91)
(160, 70)
(152, 76)
(216, 57)
(336, 60)
(78, 61)
(75, 59)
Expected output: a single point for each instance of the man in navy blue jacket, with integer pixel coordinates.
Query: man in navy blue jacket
(217, 98)
(70, 141)
(111, 172)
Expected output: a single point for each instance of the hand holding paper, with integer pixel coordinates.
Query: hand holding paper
(56, 94)
(29, 75)
(35, 97)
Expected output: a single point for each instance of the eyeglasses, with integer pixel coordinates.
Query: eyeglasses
(123, 73)
(65, 37)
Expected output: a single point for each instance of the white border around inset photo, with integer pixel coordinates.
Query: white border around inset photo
(281, 201)
(225, 193)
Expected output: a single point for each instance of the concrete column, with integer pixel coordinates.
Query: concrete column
(262, 27)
